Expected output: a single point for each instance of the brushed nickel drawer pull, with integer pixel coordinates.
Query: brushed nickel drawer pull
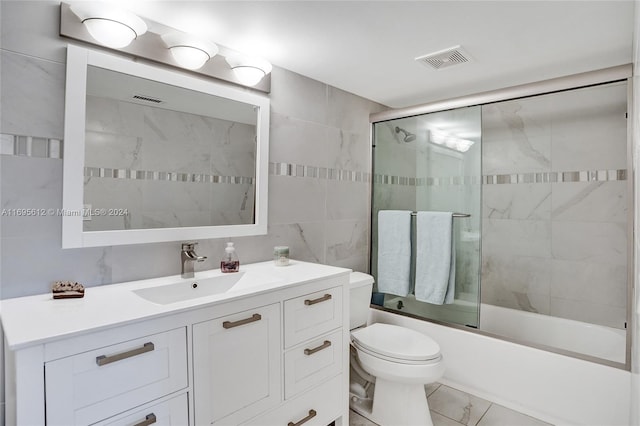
(104, 360)
(318, 300)
(253, 318)
(149, 420)
(325, 345)
(312, 414)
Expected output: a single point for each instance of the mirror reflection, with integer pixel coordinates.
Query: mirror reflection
(162, 156)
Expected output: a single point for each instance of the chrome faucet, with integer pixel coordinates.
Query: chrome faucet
(189, 257)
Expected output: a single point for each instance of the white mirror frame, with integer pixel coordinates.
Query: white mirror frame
(73, 235)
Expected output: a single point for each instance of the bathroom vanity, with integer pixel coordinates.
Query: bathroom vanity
(265, 346)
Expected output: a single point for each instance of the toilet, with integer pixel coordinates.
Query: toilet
(399, 360)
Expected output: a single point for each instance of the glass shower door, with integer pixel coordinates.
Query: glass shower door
(432, 162)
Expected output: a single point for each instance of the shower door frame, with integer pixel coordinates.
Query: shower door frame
(561, 84)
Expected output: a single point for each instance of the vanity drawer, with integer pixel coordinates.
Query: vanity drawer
(312, 362)
(311, 315)
(92, 386)
(172, 412)
(319, 407)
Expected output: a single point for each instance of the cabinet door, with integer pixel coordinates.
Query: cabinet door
(237, 360)
(94, 385)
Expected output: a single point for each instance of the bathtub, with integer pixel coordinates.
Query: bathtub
(575, 336)
(558, 389)
(524, 327)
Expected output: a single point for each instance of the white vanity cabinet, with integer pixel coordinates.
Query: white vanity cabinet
(237, 360)
(272, 354)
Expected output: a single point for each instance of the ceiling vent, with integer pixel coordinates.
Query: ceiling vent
(147, 99)
(444, 58)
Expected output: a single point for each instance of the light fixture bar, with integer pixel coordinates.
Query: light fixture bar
(151, 46)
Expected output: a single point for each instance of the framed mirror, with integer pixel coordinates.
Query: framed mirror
(152, 155)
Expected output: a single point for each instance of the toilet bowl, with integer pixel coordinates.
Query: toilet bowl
(401, 360)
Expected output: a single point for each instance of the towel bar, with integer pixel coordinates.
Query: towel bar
(454, 215)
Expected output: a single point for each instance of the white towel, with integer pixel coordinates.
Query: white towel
(435, 258)
(394, 252)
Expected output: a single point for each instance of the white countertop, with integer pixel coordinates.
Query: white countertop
(37, 319)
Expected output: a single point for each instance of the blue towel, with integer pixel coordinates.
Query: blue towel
(435, 258)
(394, 252)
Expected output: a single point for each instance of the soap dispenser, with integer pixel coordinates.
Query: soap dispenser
(230, 262)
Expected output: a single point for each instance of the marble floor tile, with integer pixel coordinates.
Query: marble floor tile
(431, 388)
(440, 420)
(356, 419)
(498, 415)
(459, 406)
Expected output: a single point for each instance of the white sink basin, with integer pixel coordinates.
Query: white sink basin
(192, 288)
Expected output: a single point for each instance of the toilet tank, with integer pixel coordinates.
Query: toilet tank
(360, 298)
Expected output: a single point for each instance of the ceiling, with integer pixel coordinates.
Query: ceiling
(368, 47)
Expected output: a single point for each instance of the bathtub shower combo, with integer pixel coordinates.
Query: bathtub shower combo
(539, 174)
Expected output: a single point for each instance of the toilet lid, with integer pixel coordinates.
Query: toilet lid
(396, 342)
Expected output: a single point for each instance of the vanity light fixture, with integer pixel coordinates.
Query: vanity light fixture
(249, 70)
(189, 52)
(445, 139)
(109, 25)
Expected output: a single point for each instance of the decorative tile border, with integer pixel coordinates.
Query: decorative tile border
(427, 181)
(104, 172)
(518, 178)
(557, 177)
(30, 146)
(299, 170)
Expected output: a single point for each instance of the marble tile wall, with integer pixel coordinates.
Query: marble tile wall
(217, 155)
(322, 219)
(554, 234)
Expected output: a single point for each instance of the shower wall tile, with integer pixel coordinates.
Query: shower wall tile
(583, 223)
(595, 313)
(600, 243)
(590, 201)
(516, 137)
(589, 129)
(589, 282)
(518, 282)
(526, 201)
(531, 238)
(32, 91)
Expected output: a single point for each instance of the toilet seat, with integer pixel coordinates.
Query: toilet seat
(396, 344)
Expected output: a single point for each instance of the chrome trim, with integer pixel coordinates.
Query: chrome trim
(104, 359)
(620, 72)
(631, 225)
